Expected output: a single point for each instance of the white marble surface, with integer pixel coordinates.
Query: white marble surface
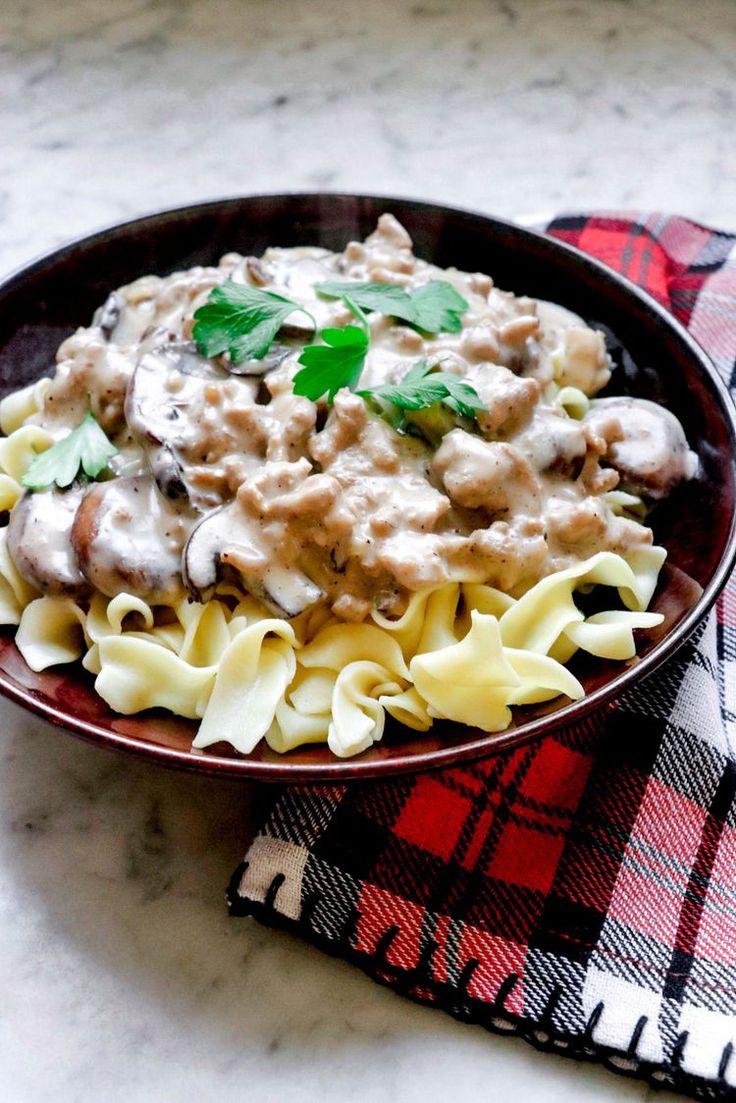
(121, 976)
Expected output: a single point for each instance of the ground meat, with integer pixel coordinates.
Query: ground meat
(509, 554)
(288, 491)
(488, 475)
(508, 399)
(579, 529)
(90, 374)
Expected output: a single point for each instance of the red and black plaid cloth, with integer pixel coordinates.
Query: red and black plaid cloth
(580, 891)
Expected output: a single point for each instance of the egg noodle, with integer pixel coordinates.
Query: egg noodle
(462, 652)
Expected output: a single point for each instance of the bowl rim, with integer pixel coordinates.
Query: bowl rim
(488, 744)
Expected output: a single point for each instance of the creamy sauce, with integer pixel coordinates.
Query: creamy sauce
(302, 502)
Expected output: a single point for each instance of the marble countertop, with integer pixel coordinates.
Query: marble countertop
(121, 975)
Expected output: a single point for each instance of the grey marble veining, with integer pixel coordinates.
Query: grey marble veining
(121, 976)
(110, 109)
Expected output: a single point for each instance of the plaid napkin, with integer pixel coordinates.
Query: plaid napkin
(580, 891)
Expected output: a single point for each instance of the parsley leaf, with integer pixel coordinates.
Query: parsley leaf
(422, 387)
(438, 307)
(338, 363)
(386, 298)
(432, 308)
(241, 320)
(462, 397)
(86, 447)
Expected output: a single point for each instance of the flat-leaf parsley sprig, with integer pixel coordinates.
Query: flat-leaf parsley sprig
(434, 307)
(86, 447)
(242, 321)
(422, 386)
(335, 364)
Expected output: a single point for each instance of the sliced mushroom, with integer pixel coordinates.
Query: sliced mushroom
(653, 456)
(153, 337)
(163, 384)
(40, 543)
(166, 380)
(273, 358)
(286, 591)
(167, 471)
(256, 270)
(224, 543)
(107, 316)
(128, 538)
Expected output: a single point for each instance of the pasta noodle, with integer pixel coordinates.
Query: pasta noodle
(251, 678)
(304, 715)
(574, 401)
(18, 406)
(15, 592)
(138, 674)
(358, 717)
(18, 451)
(51, 632)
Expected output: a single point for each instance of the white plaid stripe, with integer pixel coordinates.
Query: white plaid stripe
(625, 1005)
(266, 857)
(711, 1031)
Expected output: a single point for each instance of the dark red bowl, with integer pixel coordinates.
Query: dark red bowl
(43, 302)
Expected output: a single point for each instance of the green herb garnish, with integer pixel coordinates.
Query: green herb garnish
(241, 320)
(86, 447)
(432, 308)
(422, 386)
(338, 363)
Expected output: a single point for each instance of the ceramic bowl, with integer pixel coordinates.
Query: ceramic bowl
(44, 302)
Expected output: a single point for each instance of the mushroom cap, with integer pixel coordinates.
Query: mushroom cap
(226, 542)
(108, 314)
(652, 456)
(40, 542)
(128, 538)
(167, 380)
